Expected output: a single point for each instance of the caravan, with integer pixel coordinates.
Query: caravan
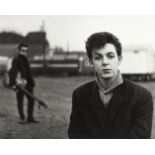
(138, 63)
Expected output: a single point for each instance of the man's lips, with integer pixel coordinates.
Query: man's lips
(106, 70)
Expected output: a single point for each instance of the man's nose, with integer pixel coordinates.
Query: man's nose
(104, 61)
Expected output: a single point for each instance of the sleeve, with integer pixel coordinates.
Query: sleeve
(76, 128)
(13, 72)
(141, 125)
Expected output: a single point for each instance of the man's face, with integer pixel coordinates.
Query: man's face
(106, 61)
(23, 50)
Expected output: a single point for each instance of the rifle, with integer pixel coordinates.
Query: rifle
(5, 83)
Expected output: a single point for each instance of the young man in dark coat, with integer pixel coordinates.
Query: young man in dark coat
(110, 107)
(21, 68)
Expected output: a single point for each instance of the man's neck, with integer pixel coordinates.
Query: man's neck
(22, 55)
(106, 83)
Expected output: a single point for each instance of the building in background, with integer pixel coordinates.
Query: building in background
(9, 41)
(38, 44)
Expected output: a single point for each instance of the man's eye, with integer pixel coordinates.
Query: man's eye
(111, 56)
(97, 57)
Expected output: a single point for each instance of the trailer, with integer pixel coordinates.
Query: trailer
(138, 63)
(62, 63)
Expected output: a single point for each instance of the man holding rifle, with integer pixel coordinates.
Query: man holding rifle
(21, 68)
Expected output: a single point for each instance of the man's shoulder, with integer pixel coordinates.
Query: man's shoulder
(86, 87)
(135, 87)
(16, 58)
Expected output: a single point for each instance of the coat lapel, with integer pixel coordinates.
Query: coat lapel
(115, 102)
(97, 104)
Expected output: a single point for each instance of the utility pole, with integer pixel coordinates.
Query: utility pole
(42, 29)
(68, 46)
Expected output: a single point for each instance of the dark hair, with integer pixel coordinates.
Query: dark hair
(98, 40)
(22, 45)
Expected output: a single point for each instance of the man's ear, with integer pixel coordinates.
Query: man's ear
(120, 59)
(91, 62)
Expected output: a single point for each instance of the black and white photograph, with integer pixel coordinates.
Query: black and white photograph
(77, 76)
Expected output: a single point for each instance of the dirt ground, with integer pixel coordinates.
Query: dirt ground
(53, 122)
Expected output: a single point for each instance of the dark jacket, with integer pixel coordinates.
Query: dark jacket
(128, 115)
(20, 64)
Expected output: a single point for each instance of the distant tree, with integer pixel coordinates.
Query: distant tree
(10, 37)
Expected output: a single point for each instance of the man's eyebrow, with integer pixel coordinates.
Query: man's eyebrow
(95, 53)
(110, 52)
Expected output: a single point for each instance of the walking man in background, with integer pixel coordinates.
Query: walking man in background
(20, 73)
(110, 106)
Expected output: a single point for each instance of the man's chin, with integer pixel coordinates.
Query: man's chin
(108, 77)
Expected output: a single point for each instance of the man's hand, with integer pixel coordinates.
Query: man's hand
(21, 82)
(13, 87)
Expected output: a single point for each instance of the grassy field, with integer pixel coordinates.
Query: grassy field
(56, 92)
